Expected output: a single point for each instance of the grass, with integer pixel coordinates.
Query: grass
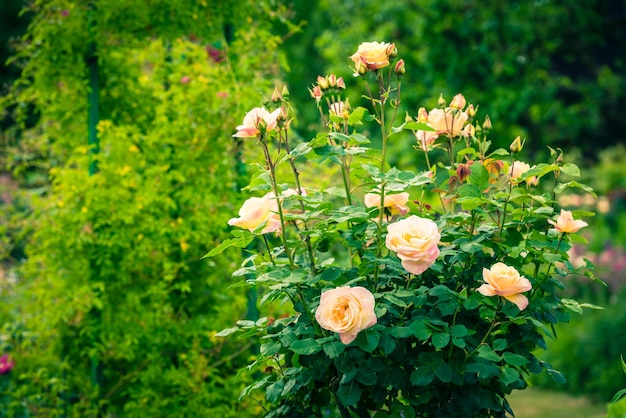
(536, 403)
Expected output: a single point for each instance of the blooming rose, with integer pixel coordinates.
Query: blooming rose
(447, 121)
(395, 202)
(257, 211)
(371, 56)
(566, 223)
(505, 281)
(415, 241)
(255, 120)
(347, 311)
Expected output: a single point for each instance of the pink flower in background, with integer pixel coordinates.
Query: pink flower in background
(566, 223)
(505, 281)
(6, 364)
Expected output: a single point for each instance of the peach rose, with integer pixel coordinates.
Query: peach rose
(414, 240)
(346, 311)
(447, 121)
(371, 56)
(257, 211)
(426, 139)
(518, 168)
(505, 281)
(566, 223)
(256, 120)
(395, 202)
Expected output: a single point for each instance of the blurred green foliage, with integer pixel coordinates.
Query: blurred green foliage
(587, 351)
(552, 71)
(113, 311)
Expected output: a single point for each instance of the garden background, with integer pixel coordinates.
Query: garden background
(119, 172)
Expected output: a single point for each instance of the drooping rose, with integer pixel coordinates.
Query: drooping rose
(447, 121)
(505, 281)
(396, 203)
(257, 120)
(566, 223)
(371, 56)
(414, 240)
(257, 211)
(346, 311)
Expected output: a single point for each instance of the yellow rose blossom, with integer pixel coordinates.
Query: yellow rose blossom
(505, 281)
(371, 56)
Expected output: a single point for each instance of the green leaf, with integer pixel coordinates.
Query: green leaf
(499, 344)
(440, 339)
(618, 396)
(574, 185)
(487, 353)
(417, 126)
(570, 169)
(444, 372)
(458, 331)
(270, 348)
(239, 242)
(396, 301)
(358, 115)
(469, 190)
(305, 347)
(368, 340)
(422, 376)
(334, 348)
(479, 177)
(227, 331)
(349, 393)
(273, 391)
(514, 359)
(509, 376)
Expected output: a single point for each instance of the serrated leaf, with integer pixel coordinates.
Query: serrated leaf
(487, 353)
(417, 126)
(334, 348)
(226, 332)
(514, 359)
(479, 177)
(239, 242)
(305, 347)
(440, 339)
(349, 393)
(422, 376)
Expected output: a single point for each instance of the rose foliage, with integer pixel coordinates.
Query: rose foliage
(409, 294)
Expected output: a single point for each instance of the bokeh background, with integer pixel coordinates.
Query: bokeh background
(118, 172)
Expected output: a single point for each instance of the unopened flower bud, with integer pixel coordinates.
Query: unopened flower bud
(400, 69)
(517, 144)
(316, 93)
(392, 51)
(332, 80)
(407, 117)
(458, 102)
(322, 82)
(441, 102)
(361, 67)
(285, 92)
(471, 112)
(487, 123)
(277, 97)
(422, 115)
(340, 83)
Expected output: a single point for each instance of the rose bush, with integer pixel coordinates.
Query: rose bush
(428, 295)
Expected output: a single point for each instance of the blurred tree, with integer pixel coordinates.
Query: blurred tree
(113, 312)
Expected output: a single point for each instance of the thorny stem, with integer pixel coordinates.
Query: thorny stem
(382, 171)
(269, 251)
(506, 201)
